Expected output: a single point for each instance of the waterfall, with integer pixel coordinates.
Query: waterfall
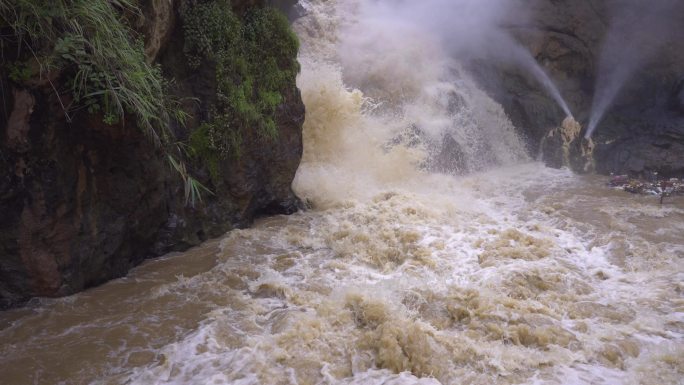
(386, 100)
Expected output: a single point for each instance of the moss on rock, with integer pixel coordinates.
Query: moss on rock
(254, 59)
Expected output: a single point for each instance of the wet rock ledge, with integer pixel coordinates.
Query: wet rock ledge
(84, 197)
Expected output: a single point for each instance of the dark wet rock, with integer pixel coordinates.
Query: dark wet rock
(81, 202)
(642, 130)
(566, 146)
(677, 98)
(449, 157)
(641, 154)
(445, 155)
(156, 24)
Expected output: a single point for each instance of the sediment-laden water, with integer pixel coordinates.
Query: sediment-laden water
(522, 275)
(511, 274)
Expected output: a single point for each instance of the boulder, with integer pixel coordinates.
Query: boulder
(566, 146)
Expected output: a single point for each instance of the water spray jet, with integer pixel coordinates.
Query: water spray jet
(636, 34)
(550, 86)
(523, 58)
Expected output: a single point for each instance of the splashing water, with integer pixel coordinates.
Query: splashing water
(400, 276)
(399, 117)
(471, 29)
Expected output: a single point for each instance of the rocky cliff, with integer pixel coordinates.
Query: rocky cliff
(83, 199)
(643, 130)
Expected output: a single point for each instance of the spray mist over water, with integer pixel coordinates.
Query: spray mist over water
(471, 29)
(638, 30)
(376, 73)
(398, 275)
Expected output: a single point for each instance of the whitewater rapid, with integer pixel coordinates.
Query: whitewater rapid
(520, 275)
(406, 269)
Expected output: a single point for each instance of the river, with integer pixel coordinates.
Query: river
(406, 269)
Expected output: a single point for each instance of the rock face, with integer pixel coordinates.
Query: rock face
(641, 132)
(565, 146)
(82, 202)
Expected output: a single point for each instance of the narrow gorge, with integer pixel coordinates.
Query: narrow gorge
(341, 192)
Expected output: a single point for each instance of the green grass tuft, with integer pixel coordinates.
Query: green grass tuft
(90, 43)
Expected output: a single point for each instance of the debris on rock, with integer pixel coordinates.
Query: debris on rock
(659, 187)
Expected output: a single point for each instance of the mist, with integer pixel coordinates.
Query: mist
(638, 30)
(461, 29)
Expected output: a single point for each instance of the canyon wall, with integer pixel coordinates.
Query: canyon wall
(83, 201)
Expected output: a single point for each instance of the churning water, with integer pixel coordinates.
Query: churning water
(511, 274)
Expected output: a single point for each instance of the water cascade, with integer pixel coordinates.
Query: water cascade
(401, 273)
(414, 106)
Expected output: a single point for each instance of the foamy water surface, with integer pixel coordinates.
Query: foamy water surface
(519, 275)
(510, 274)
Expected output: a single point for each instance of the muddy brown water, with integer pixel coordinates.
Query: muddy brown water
(397, 276)
(554, 279)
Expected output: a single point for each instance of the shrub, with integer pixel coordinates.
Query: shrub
(255, 62)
